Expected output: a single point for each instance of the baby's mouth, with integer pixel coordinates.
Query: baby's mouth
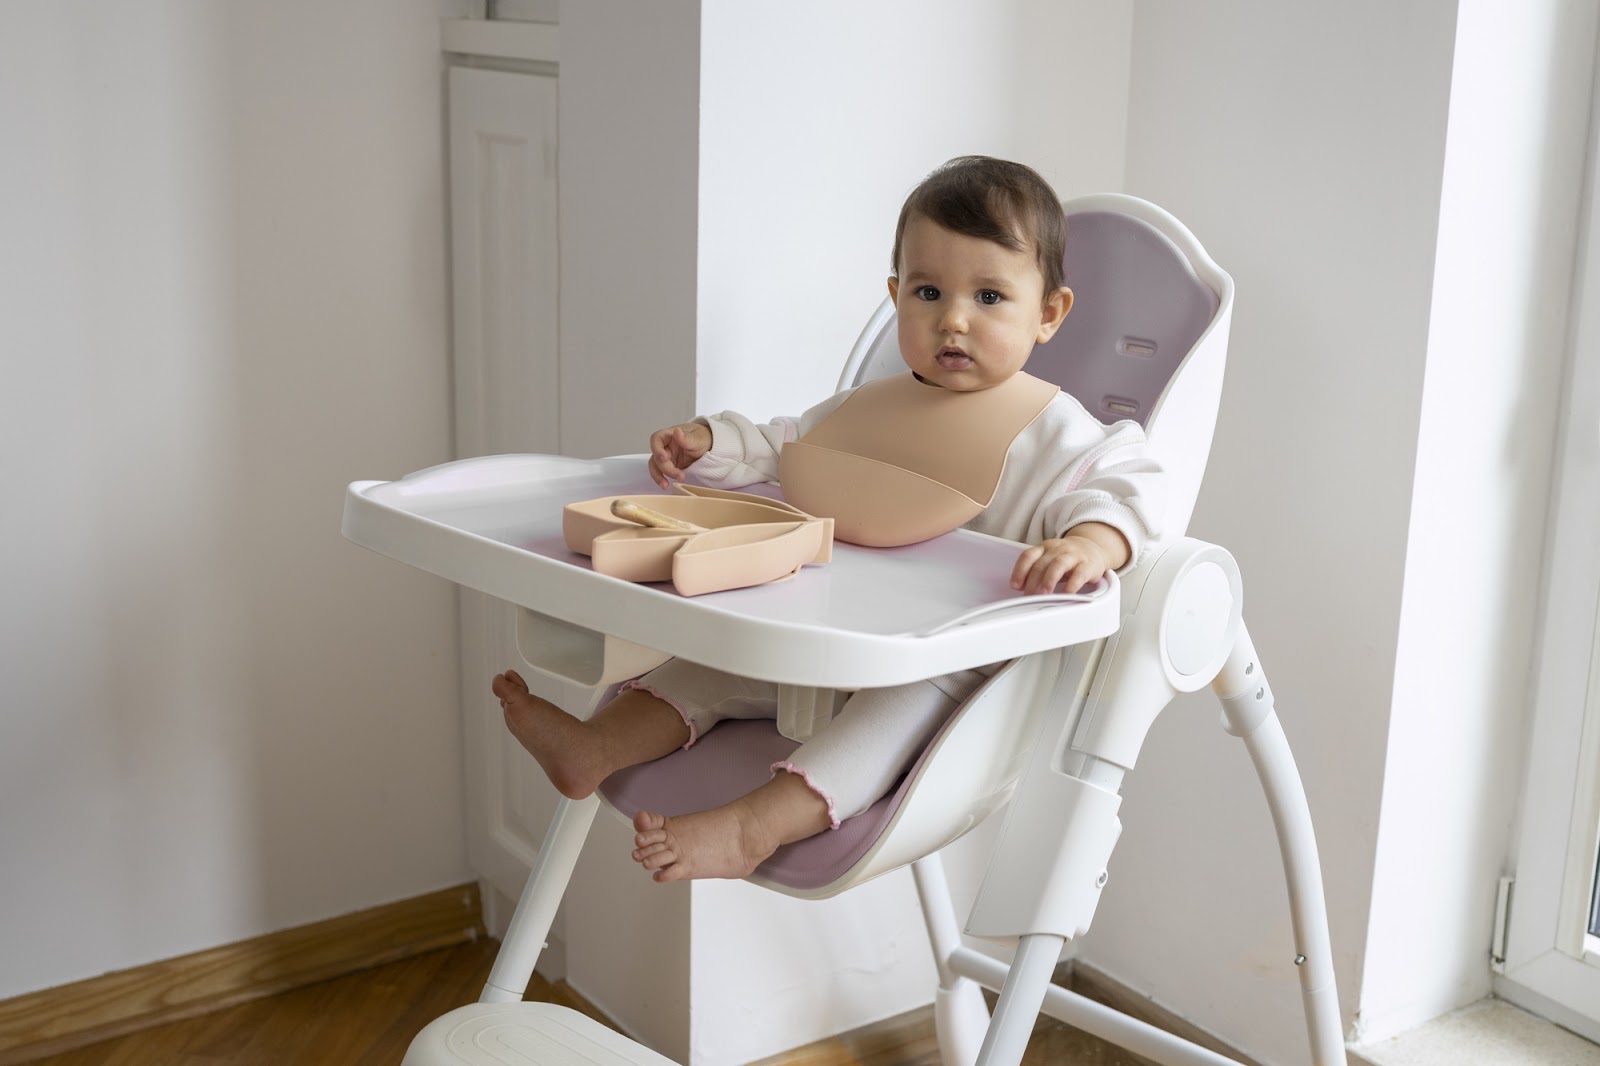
(953, 359)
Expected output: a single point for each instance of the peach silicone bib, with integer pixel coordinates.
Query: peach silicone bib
(901, 461)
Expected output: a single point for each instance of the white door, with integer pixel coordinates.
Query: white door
(1550, 952)
(503, 227)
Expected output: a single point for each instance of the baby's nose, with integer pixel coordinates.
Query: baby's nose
(954, 320)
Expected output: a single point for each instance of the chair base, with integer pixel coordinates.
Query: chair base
(523, 1034)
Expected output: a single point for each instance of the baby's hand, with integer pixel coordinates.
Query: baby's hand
(1077, 560)
(674, 448)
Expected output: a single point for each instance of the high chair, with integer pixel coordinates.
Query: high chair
(1045, 742)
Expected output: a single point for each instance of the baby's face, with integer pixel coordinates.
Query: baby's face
(970, 311)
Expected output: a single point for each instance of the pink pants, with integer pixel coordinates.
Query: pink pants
(875, 738)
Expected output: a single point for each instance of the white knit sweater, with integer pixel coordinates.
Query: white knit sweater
(1065, 468)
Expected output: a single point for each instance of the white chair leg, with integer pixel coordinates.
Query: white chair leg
(519, 953)
(960, 1015)
(1291, 817)
(1018, 1007)
(1248, 713)
(960, 1020)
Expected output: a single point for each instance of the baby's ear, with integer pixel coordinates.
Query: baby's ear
(894, 289)
(1056, 306)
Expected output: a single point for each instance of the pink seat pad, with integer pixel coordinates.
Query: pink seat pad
(731, 759)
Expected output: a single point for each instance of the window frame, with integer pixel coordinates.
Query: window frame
(1551, 963)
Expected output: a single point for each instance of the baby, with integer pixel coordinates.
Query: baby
(977, 283)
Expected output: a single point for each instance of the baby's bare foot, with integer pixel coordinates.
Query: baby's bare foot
(564, 748)
(723, 842)
(730, 841)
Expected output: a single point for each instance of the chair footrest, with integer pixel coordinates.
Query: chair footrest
(524, 1034)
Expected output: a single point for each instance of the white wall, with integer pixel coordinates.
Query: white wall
(786, 159)
(1303, 144)
(629, 112)
(224, 297)
(817, 121)
(724, 239)
(1514, 157)
(629, 163)
(1379, 470)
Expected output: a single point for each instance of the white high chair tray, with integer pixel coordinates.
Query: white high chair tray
(872, 617)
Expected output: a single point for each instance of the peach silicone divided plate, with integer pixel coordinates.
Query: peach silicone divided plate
(741, 539)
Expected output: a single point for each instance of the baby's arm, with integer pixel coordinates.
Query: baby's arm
(1080, 556)
(728, 450)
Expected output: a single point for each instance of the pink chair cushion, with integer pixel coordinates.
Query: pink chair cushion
(730, 760)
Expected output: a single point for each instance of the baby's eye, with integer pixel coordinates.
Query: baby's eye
(989, 296)
(927, 292)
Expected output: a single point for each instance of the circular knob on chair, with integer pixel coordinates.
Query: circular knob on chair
(1199, 620)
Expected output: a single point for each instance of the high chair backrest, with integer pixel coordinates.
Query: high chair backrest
(1146, 339)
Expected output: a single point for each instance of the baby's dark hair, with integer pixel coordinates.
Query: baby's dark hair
(995, 200)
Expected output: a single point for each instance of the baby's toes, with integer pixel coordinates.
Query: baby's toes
(645, 822)
(660, 857)
(650, 838)
(508, 685)
(644, 851)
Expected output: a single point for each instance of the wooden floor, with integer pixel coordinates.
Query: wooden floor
(909, 1041)
(364, 1019)
(368, 1019)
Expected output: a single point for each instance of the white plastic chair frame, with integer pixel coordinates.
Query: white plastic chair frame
(1059, 729)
